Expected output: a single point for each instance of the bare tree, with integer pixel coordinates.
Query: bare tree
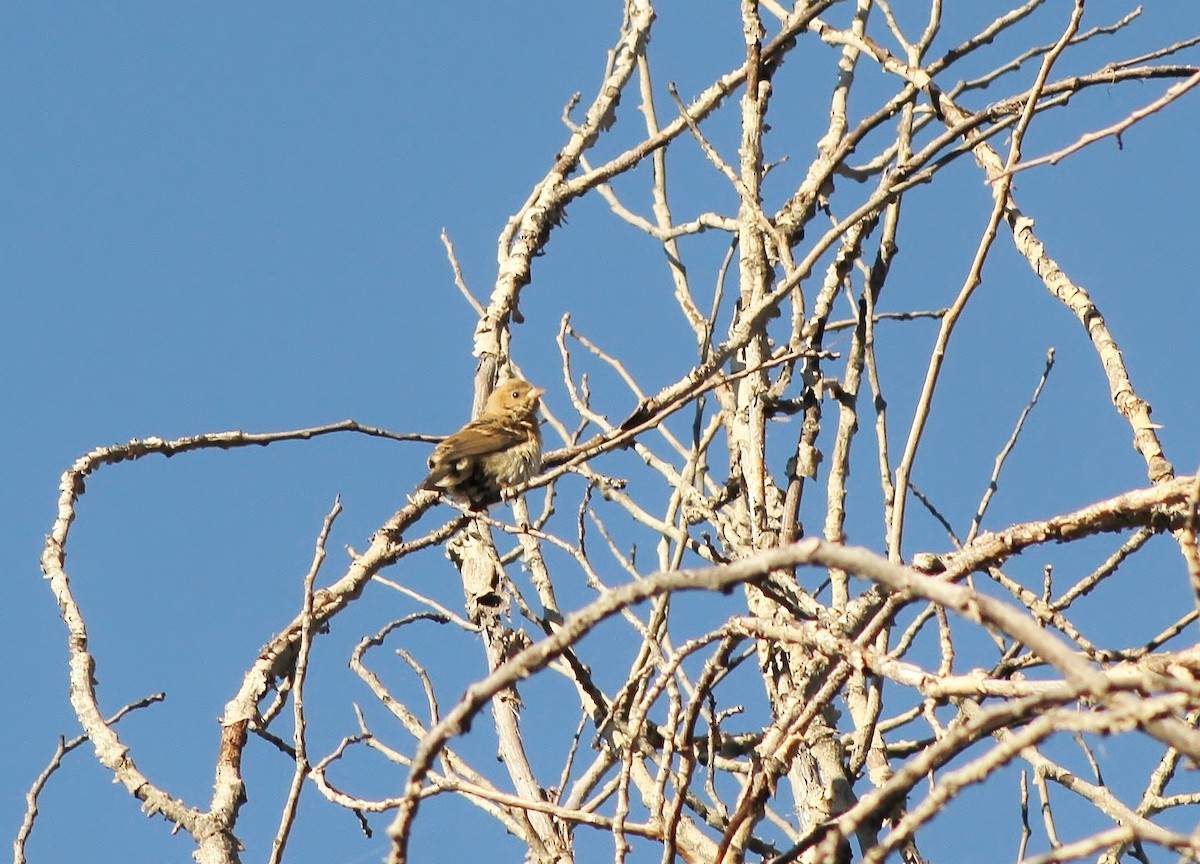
(744, 683)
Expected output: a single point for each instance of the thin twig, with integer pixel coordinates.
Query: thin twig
(62, 749)
(981, 510)
(299, 674)
(1114, 130)
(459, 281)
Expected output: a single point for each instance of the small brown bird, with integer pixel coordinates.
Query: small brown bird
(502, 447)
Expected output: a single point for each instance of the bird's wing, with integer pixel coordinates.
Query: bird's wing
(479, 437)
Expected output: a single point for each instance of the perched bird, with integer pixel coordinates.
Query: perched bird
(502, 447)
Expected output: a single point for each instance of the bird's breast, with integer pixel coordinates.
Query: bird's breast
(514, 465)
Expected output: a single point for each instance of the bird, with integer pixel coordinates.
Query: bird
(500, 448)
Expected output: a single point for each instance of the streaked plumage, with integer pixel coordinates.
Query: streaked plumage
(500, 448)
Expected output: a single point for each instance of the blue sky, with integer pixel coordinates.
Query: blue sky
(221, 216)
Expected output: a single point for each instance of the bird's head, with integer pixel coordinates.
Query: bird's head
(515, 398)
